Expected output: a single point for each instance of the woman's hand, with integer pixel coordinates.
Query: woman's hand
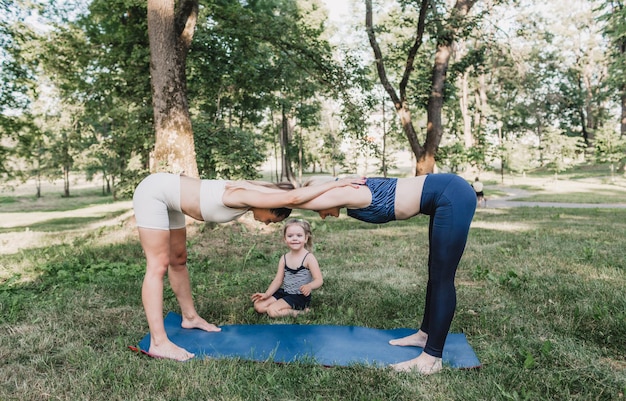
(259, 296)
(350, 181)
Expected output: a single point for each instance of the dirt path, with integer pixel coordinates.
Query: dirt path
(23, 237)
(17, 219)
(513, 193)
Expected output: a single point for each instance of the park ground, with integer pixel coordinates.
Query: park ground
(540, 298)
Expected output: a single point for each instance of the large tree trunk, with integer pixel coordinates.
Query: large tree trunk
(434, 127)
(170, 30)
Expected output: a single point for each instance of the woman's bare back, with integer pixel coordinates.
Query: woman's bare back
(408, 196)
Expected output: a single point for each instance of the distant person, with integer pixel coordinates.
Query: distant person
(298, 275)
(161, 201)
(450, 202)
(480, 195)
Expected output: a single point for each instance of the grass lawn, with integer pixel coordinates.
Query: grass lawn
(540, 298)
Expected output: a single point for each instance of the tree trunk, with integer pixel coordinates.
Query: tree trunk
(399, 101)
(170, 30)
(286, 173)
(425, 156)
(434, 128)
(66, 181)
(623, 118)
(618, 8)
(480, 117)
(465, 113)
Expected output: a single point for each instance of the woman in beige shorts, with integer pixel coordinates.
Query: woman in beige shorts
(161, 202)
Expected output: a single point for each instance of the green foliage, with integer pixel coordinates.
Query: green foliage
(454, 156)
(610, 148)
(75, 94)
(228, 153)
(558, 151)
(613, 17)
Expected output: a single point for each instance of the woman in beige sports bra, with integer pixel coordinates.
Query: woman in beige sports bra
(161, 202)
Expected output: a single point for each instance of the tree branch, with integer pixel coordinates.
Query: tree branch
(380, 65)
(186, 16)
(421, 24)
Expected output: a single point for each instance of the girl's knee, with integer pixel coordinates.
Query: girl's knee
(273, 312)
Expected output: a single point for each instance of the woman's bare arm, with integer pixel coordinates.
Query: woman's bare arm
(348, 197)
(243, 197)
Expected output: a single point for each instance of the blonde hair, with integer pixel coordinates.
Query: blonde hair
(307, 231)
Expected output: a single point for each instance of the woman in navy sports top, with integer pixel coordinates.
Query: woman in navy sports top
(450, 202)
(161, 201)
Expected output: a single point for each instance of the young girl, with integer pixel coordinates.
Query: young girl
(298, 273)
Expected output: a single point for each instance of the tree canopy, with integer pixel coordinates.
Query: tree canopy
(456, 85)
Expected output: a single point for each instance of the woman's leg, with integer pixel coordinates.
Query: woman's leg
(446, 248)
(156, 246)
(448, 231)
(178, 275)
(165, 249)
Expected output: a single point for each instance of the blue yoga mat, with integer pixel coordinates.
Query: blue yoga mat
(322, 344)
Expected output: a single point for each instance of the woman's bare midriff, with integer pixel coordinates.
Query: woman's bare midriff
(190, 197)
(408, 196)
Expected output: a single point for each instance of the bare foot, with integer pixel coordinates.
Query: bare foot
(296, 312)
(414, 340)
(424, 364)
(199, 323)
(169, 350)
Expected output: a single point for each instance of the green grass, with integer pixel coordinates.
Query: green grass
(53, 201)
(540, 297)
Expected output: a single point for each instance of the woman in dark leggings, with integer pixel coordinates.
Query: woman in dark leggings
(450, 202)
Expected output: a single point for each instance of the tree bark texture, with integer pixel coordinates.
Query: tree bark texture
(171, 26)
(286, 173)
(465, 111)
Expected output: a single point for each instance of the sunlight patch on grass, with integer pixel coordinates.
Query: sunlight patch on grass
(508, 227)
(392, 276)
